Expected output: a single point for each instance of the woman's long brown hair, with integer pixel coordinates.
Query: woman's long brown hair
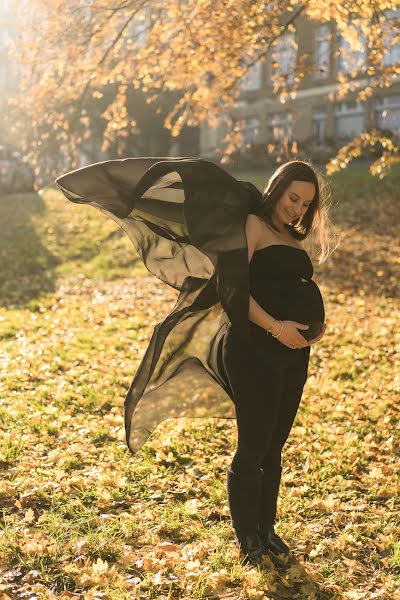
(316, 220)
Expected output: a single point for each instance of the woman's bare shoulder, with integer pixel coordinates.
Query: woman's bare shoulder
(253, 231)
(254, 225)
(260, 229)
(254, 220)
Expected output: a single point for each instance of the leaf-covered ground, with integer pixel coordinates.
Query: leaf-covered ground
(82, 518)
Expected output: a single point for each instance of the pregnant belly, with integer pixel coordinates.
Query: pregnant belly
(298, 300)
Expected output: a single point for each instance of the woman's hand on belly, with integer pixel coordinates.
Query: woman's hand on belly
(290, 336)
(318, 338)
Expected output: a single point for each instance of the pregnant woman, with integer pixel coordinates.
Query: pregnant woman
(237, 342)
(267, 375)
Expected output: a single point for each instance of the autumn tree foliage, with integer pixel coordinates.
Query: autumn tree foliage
(76, 53)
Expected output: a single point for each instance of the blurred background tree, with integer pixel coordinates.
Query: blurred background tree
(100, 79)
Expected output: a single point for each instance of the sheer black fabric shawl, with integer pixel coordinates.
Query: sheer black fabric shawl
(186, 217)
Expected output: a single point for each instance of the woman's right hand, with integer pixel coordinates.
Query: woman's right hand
(290, 335)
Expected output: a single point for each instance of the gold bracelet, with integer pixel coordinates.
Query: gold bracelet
(272, 324)
(278, 334)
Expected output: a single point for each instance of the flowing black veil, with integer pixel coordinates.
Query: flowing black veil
(186, 217)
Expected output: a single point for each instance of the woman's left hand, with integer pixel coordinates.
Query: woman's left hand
(316, 339)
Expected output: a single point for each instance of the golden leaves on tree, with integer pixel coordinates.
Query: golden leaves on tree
(200, 51)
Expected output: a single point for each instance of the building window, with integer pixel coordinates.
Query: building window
(392, 56)
(281, 127)
(3, 77)
(318, 133)
(349, 120)
(5, 63)
(387, 114)
(250, 130)
(392, 40)
(322, 50)
(252, 80)
(5, 7)
(211, 135)
(4, 40)
(283, 57)
(352, 60)
(139, 29)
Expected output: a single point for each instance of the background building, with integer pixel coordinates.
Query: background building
(315, 119)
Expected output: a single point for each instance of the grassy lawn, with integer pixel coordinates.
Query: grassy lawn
(82, 518)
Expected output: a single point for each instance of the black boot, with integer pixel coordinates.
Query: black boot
(269, 496)
(252, 548)
(272, 542)
(243, 494)
(267, 512)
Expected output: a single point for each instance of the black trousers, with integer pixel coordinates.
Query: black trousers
(267, 380)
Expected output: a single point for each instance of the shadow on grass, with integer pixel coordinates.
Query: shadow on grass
(294, 581)
(26, 265)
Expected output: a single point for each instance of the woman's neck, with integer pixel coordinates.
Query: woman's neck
(284, 233)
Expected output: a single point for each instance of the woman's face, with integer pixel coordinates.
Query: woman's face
(294, 202)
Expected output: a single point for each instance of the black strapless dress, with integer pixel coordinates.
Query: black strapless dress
(281, 282)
